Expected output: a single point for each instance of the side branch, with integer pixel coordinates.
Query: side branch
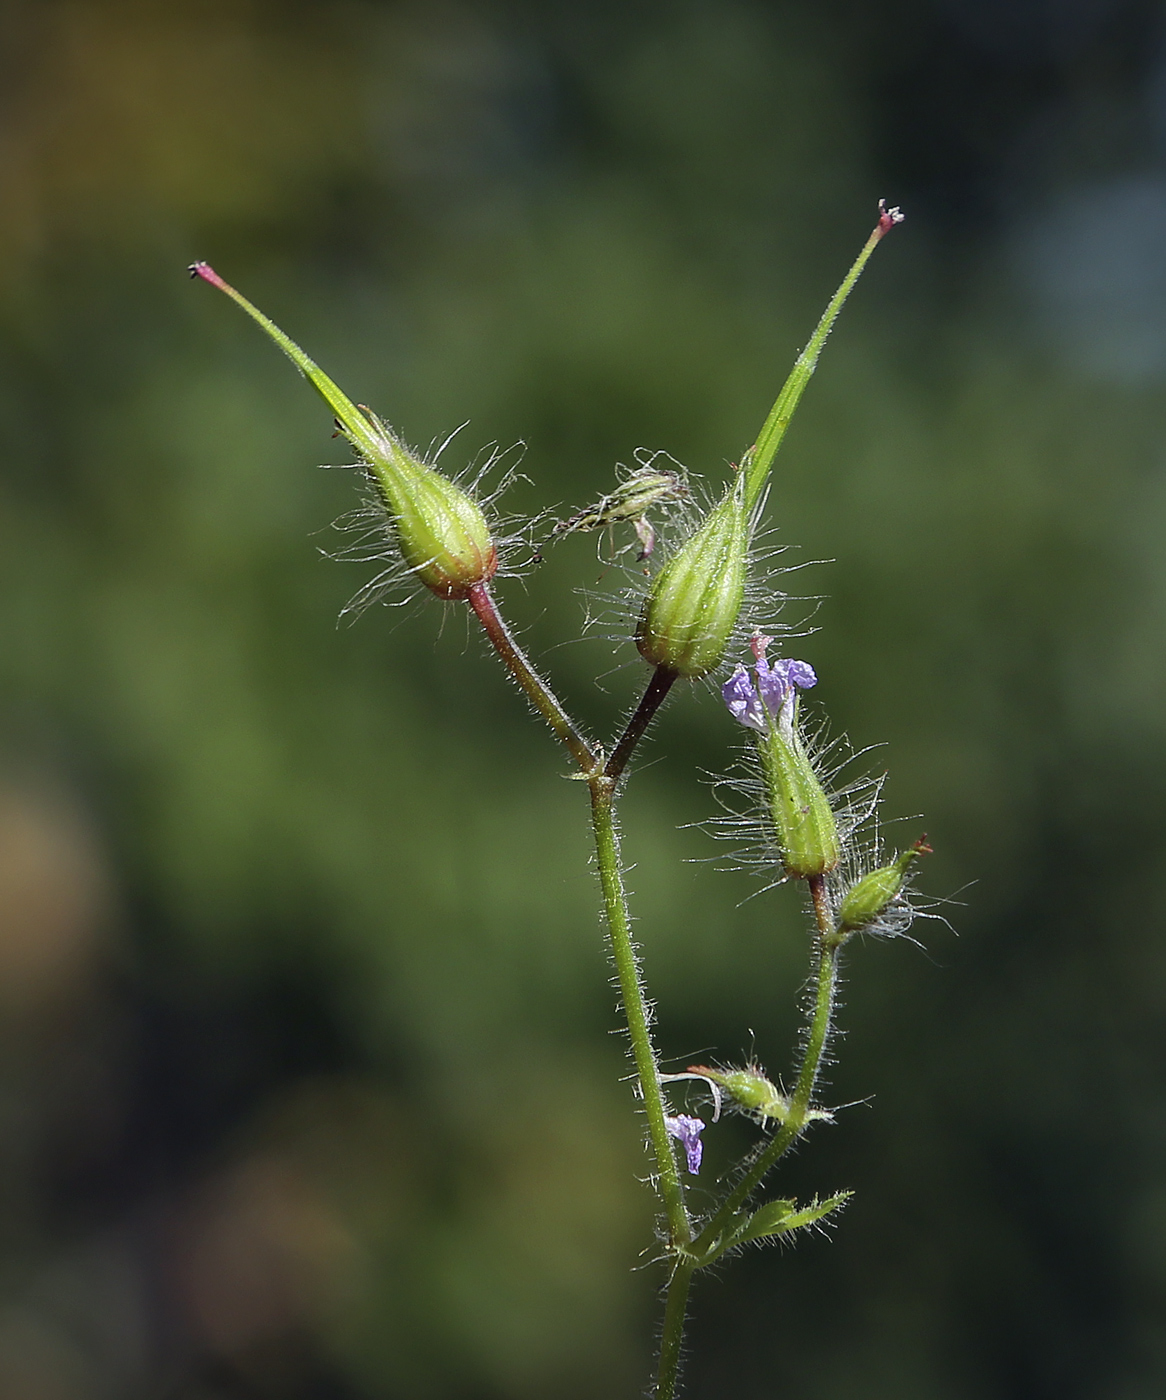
(818, 1035)
(658, 688)
(536, 690)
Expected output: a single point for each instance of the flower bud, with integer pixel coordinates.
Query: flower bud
(803, 820)
(870, 896)
(692, 609)
(441, 530)
(749, 1089)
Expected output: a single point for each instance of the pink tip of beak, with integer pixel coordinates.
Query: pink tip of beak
(757, 645)
(207, 273)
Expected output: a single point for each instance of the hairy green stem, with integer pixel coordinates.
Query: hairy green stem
(603, 783)
(603, 786)
(672, 1337)
(532, 685)
(818, 1035)
(635, 1005)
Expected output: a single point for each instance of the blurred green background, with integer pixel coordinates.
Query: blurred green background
(308, 1089)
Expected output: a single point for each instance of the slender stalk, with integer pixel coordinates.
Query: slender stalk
(658, 687)
(635, 1004)
(532, 685)
(673, 1334)
(816, 1040)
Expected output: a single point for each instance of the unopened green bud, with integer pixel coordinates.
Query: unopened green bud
(693, 607)
(749, 1089)
(441, 530)
(870, 896)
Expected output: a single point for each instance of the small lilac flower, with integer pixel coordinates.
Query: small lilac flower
(688, 1130)
(774, 689)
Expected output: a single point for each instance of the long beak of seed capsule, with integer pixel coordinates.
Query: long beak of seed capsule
(758, 460)
(441, 531)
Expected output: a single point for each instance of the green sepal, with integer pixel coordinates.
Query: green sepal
(755, 1093)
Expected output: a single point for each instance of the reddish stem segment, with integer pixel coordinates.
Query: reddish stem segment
(536, 690)
(658, 687)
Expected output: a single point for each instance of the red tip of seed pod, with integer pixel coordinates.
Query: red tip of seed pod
(207, 273)
(888, 218)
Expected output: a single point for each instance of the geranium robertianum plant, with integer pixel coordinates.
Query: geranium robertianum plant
(694, 618)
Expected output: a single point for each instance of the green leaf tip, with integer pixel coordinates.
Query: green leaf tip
(770, 1221)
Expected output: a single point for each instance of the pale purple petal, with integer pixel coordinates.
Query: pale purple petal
(778, 681)
(773, 683)
(687, 1131)
(743, 701)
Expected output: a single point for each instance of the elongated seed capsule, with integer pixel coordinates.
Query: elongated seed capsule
(689, 615)
(441, 530)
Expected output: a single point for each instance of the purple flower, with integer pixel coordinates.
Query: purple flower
(773, 691)
(688, 1130)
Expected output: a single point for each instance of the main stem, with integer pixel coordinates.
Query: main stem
(603, 781)
(816, 1039)
(635, 1004)
(672, 1336)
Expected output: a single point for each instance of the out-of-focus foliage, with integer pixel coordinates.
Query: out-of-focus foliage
(306, 1086)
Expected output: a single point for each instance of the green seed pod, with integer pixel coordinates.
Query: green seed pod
(441, 530)
(693, 607)
(803, 820)
(869, 897)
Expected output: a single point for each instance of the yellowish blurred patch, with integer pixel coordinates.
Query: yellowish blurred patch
(55, 900)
